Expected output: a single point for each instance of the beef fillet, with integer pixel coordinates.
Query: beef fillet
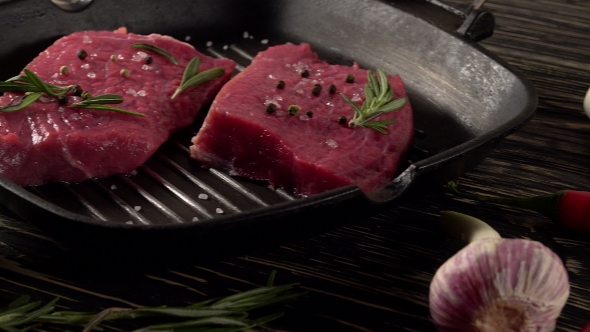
(49, 141)
(251, 129)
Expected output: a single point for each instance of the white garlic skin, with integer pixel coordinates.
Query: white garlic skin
(499, 285)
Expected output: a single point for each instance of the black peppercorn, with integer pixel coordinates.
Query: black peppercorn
(280, 84)
(342, 120)
(77, 90)
(305, 74)
(309, 114)
(332, 89)
(148, 60)
(82, 54)
(316, 89)
(62, 100)
(349, 78)
(270, 108)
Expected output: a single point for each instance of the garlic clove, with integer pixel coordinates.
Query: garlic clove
(587, 103)
(466, 228)
(499, 285)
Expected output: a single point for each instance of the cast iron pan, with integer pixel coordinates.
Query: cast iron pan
(465, 101)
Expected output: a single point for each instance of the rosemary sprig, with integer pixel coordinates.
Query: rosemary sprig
(155, 49)
(33, 87)
(191, 76)
(99, 103)
(378, 101)
(226, 314)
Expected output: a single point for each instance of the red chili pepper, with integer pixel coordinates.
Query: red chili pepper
(569, 208)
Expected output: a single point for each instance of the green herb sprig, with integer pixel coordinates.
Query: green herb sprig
(34, 87)
(191, 76)
(378, 101)
(99, 103)
(230, 313)
(155, 49)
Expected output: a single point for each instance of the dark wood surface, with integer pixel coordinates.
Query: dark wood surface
(374, 274)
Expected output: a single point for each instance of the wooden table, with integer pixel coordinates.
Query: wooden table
(374, 274)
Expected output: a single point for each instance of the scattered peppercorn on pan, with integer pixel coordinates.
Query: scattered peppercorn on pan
(465, 100)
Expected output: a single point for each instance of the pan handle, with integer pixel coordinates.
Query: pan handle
(477, 24)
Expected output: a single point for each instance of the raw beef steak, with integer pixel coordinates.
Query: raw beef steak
(311, 151)
(48, 141)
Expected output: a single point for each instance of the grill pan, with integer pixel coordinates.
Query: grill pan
(465, 100)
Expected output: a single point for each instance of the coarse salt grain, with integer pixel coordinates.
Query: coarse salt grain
(113, 187)
(137, 208)
(264, 41)
(131, 92)
(85, 66)
(203, 196)
(209, 44)
(146, 67)
(139, 56)
(225, 47)
(86, 40)
(331, 143)
(60, 109)
(141, 93)
(187, 38)
(246, 34)
(219, 211)
(91, 75)
(195, 219)
(129, 222)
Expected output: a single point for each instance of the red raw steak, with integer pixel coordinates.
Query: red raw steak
(48, 142)
(301, 154)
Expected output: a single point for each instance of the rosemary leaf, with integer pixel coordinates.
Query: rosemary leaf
(25, 101)
(36, 81)
(17, 87)
(213, 321)
(102, 99)
(19, 302)
(106, 108)
(196, 79)
(271, 278)
(192, 68)
(203, 77)
(155, 49)
(31, 316)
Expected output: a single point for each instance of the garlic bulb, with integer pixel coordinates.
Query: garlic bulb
(497, 284)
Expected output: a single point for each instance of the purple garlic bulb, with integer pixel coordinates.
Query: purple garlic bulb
(497, 284)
